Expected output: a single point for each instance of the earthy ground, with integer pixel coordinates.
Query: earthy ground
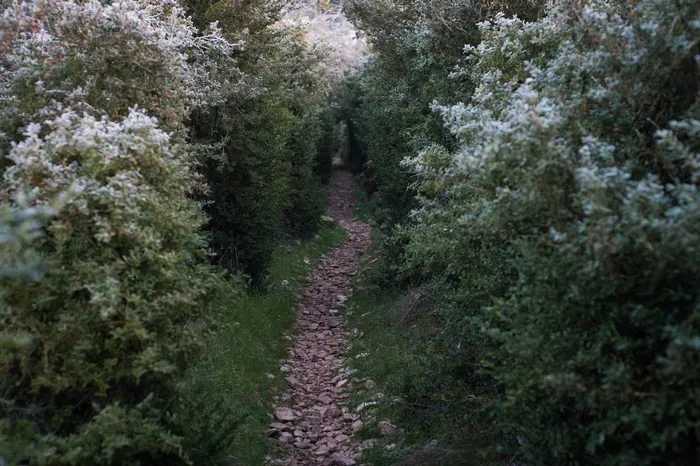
(311, 420)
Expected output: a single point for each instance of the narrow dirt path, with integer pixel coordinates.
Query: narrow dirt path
(311, 418)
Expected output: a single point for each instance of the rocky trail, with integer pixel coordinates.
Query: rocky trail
(311, 420)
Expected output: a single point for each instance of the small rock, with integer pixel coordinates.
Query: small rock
(284, 414)
(341, 460)
(432, 444)
(286, 437)
(370, 384)
(327, 220)
(278, 426)
(341, 383)
(322, 451)
(386, 428)
(342, 438)
(368, 444)
(366, 404)
(357, 425)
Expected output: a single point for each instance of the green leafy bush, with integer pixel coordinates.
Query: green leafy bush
(264, 137)
(328, 146)
(417, 45)
(122, 250)
(94, 98)
(307, 199)
(387, 106)
(561, 228)
(247, 177)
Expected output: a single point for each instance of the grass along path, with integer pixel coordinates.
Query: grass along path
(244, 361)
(400, 382)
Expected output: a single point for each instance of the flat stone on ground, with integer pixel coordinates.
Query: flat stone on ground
(284, 414)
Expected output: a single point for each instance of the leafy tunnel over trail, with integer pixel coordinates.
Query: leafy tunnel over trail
(530, 166)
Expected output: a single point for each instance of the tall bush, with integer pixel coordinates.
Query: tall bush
(94, 98)
(416, 45)
(565, 225)
(265, 136)
(19, 262)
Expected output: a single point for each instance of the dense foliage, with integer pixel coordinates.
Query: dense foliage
(535, 170)
(264, 135)
(90, 91)
(121, 120)
(417, 45)
(558, 227)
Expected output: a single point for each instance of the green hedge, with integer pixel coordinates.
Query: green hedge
(95, 102)
(560, 228)
(264, 141)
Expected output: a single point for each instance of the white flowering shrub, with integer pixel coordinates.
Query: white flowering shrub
(555, 225)
(327, 28)
(416, 45)
(108, 322)
(105, 57)
(94, 97)
(566, 225)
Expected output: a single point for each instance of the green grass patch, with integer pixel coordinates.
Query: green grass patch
(399, 362)
(403, 363)
(384, 354)
(366, 207)
(244, 358)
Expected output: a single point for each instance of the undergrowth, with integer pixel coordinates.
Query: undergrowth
(401, 376)
(243, 364)
(541, 192)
